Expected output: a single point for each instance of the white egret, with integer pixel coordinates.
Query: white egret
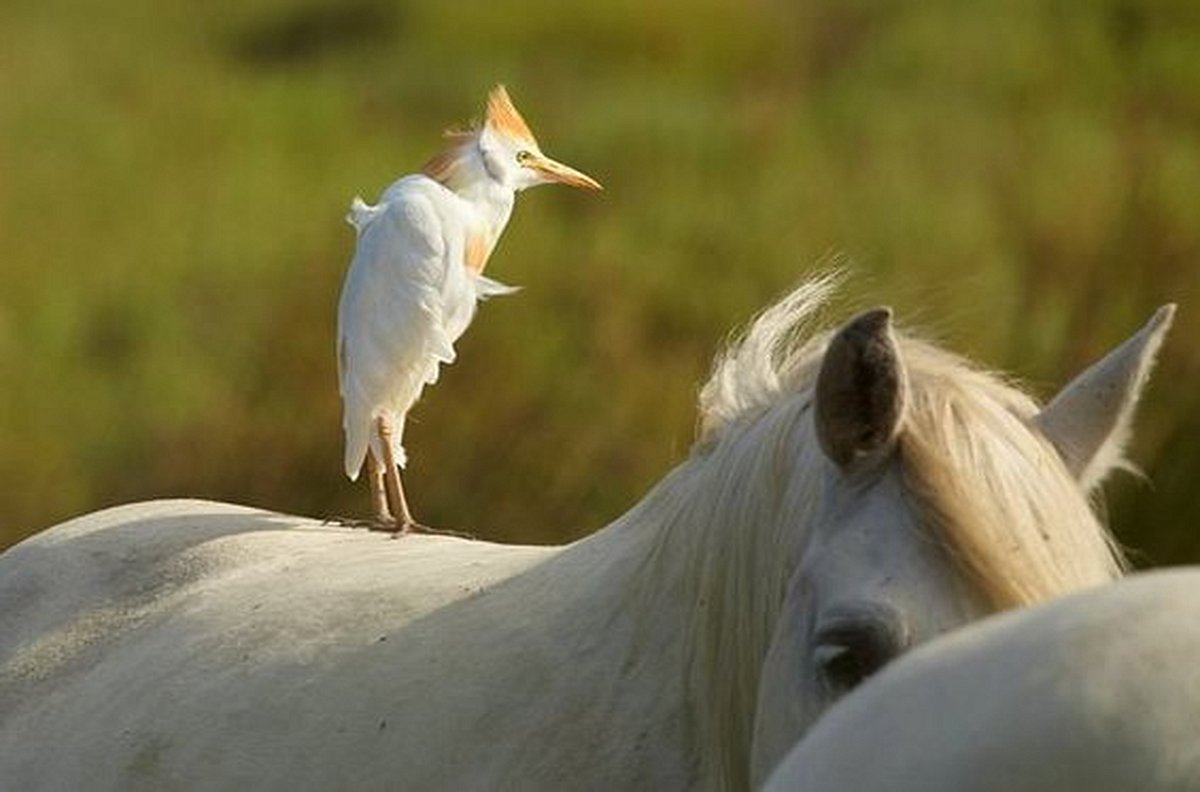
(416, 276)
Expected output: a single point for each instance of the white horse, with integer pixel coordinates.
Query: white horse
(1099, 692)
(850, 496)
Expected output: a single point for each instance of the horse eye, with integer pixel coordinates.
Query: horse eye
(846, 655)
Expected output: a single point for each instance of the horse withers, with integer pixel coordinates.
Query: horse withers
(850, 495)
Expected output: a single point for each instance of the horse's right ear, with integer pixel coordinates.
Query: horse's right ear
(861, 392)
(1089, 420)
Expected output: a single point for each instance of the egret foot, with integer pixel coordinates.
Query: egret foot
(391, 526)
(369, 523)
(398, 528)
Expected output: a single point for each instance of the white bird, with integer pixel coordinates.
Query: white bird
(416, 276)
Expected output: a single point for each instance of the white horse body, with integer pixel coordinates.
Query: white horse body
(198, 645)
(849, 498)
(1099, 692)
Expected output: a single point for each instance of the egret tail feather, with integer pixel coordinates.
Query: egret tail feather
(361, 213)
(357, 434)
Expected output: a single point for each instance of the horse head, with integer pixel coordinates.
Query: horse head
(945, 494)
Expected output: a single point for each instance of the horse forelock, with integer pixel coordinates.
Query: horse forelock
(993, 489)
(985, 484)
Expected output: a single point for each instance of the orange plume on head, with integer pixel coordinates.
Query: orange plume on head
(503, 117)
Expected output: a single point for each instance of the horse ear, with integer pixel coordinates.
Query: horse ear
(1090, 420)
(861, 392)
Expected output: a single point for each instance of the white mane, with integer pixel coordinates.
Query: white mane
(756, 369)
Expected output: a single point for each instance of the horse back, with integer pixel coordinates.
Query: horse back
(133, 638)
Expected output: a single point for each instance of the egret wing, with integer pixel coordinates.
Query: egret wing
(391, 331)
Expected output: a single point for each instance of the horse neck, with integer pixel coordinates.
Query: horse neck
(597, 660)
(719, 539)
(630, 631)
(650, 634)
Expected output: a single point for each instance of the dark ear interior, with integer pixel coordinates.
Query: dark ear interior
(861, 392)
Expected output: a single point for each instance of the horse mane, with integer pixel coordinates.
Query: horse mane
(967, 441)
(985, 484)
(758, 367)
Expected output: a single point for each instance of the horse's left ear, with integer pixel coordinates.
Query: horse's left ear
(1090, 420)
(861, 392)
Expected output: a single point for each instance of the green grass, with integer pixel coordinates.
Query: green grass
(1021, 179)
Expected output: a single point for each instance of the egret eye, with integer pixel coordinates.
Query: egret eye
(523, 157)
(848, 653)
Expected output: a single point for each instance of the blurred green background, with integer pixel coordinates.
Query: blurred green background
(1021, 179)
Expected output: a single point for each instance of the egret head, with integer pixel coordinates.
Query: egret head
(508, 150)
(512, 154)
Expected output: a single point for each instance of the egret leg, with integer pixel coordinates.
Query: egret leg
(379, 501)
(391, 477)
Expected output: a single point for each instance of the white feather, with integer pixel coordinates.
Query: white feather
(485, 287)
(407, 297)
(360, 213)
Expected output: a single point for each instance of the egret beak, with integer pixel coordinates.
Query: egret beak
(564, 174)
